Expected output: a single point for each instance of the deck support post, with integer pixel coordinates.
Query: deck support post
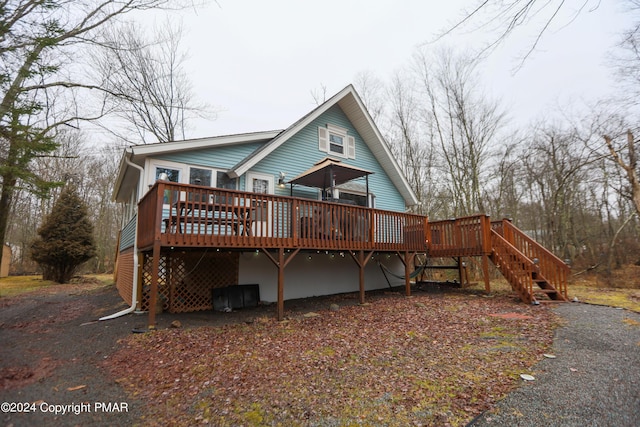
(460, 273)
(407, 273)
(362, 261)
(280, 284)
(281, 263)
(407, 260)
(485, 273)
(155, 277)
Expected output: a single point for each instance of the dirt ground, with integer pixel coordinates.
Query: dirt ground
(53, 352)
(53, 347)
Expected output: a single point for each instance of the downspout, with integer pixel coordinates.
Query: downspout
(134, 295)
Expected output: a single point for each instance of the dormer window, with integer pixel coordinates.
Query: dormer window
(336, 140)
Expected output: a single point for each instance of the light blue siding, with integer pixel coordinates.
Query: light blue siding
(301, 151)
(128, 234)
(220, 157)
(298, 154)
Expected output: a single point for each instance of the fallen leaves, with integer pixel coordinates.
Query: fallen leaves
(397, 361)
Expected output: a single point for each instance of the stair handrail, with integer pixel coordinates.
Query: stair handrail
(521, 278)
(554, 270)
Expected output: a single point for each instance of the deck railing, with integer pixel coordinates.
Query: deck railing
(552, 268)
(176, 214)
(466, 236)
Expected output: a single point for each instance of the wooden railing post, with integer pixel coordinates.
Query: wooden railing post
(295, 221)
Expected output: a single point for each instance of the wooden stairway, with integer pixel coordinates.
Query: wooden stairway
(532, 271)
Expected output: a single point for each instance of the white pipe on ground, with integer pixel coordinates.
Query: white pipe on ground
(134, 296)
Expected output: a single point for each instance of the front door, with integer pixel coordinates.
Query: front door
(262, 215)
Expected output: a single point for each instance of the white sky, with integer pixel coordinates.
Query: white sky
(258, 61)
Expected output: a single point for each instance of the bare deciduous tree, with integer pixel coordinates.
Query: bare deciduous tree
(147, 86)
(503, 18)
(556, 165)
(628, 165)
(462, 121)
(39, 88)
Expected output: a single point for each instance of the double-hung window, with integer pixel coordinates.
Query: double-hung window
(337, 141)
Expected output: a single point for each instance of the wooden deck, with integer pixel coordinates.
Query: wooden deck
(182, 215)
(173, 215)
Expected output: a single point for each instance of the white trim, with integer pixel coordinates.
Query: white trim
(194, 144)
(152, 164)
(280, 139)
(364, 125)
(336, 129)
(259, 175)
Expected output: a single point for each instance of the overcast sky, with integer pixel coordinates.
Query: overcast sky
(258, 61)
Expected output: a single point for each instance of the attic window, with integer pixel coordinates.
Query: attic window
(336, 140)
(336, 143)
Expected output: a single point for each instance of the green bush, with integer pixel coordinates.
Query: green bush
(66, 238)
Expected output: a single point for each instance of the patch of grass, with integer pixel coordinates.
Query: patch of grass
(614, 297)
(621, 289)
(16, 285)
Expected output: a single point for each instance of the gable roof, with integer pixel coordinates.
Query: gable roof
(136, 154)
(347, 99)
(353, 107)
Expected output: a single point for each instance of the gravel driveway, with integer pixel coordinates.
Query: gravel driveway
(50, 353)
(593, 381)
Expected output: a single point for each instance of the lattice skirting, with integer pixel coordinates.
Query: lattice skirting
(187, 278)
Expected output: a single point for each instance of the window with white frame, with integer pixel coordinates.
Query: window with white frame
(172, 174)
(260, 183)
(200, 176)
(336, 140)
(195, 175)
(224, 181)
(336, 143)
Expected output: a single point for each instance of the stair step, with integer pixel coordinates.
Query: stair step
(546, 291)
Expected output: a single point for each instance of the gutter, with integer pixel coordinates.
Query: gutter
(134, 294)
